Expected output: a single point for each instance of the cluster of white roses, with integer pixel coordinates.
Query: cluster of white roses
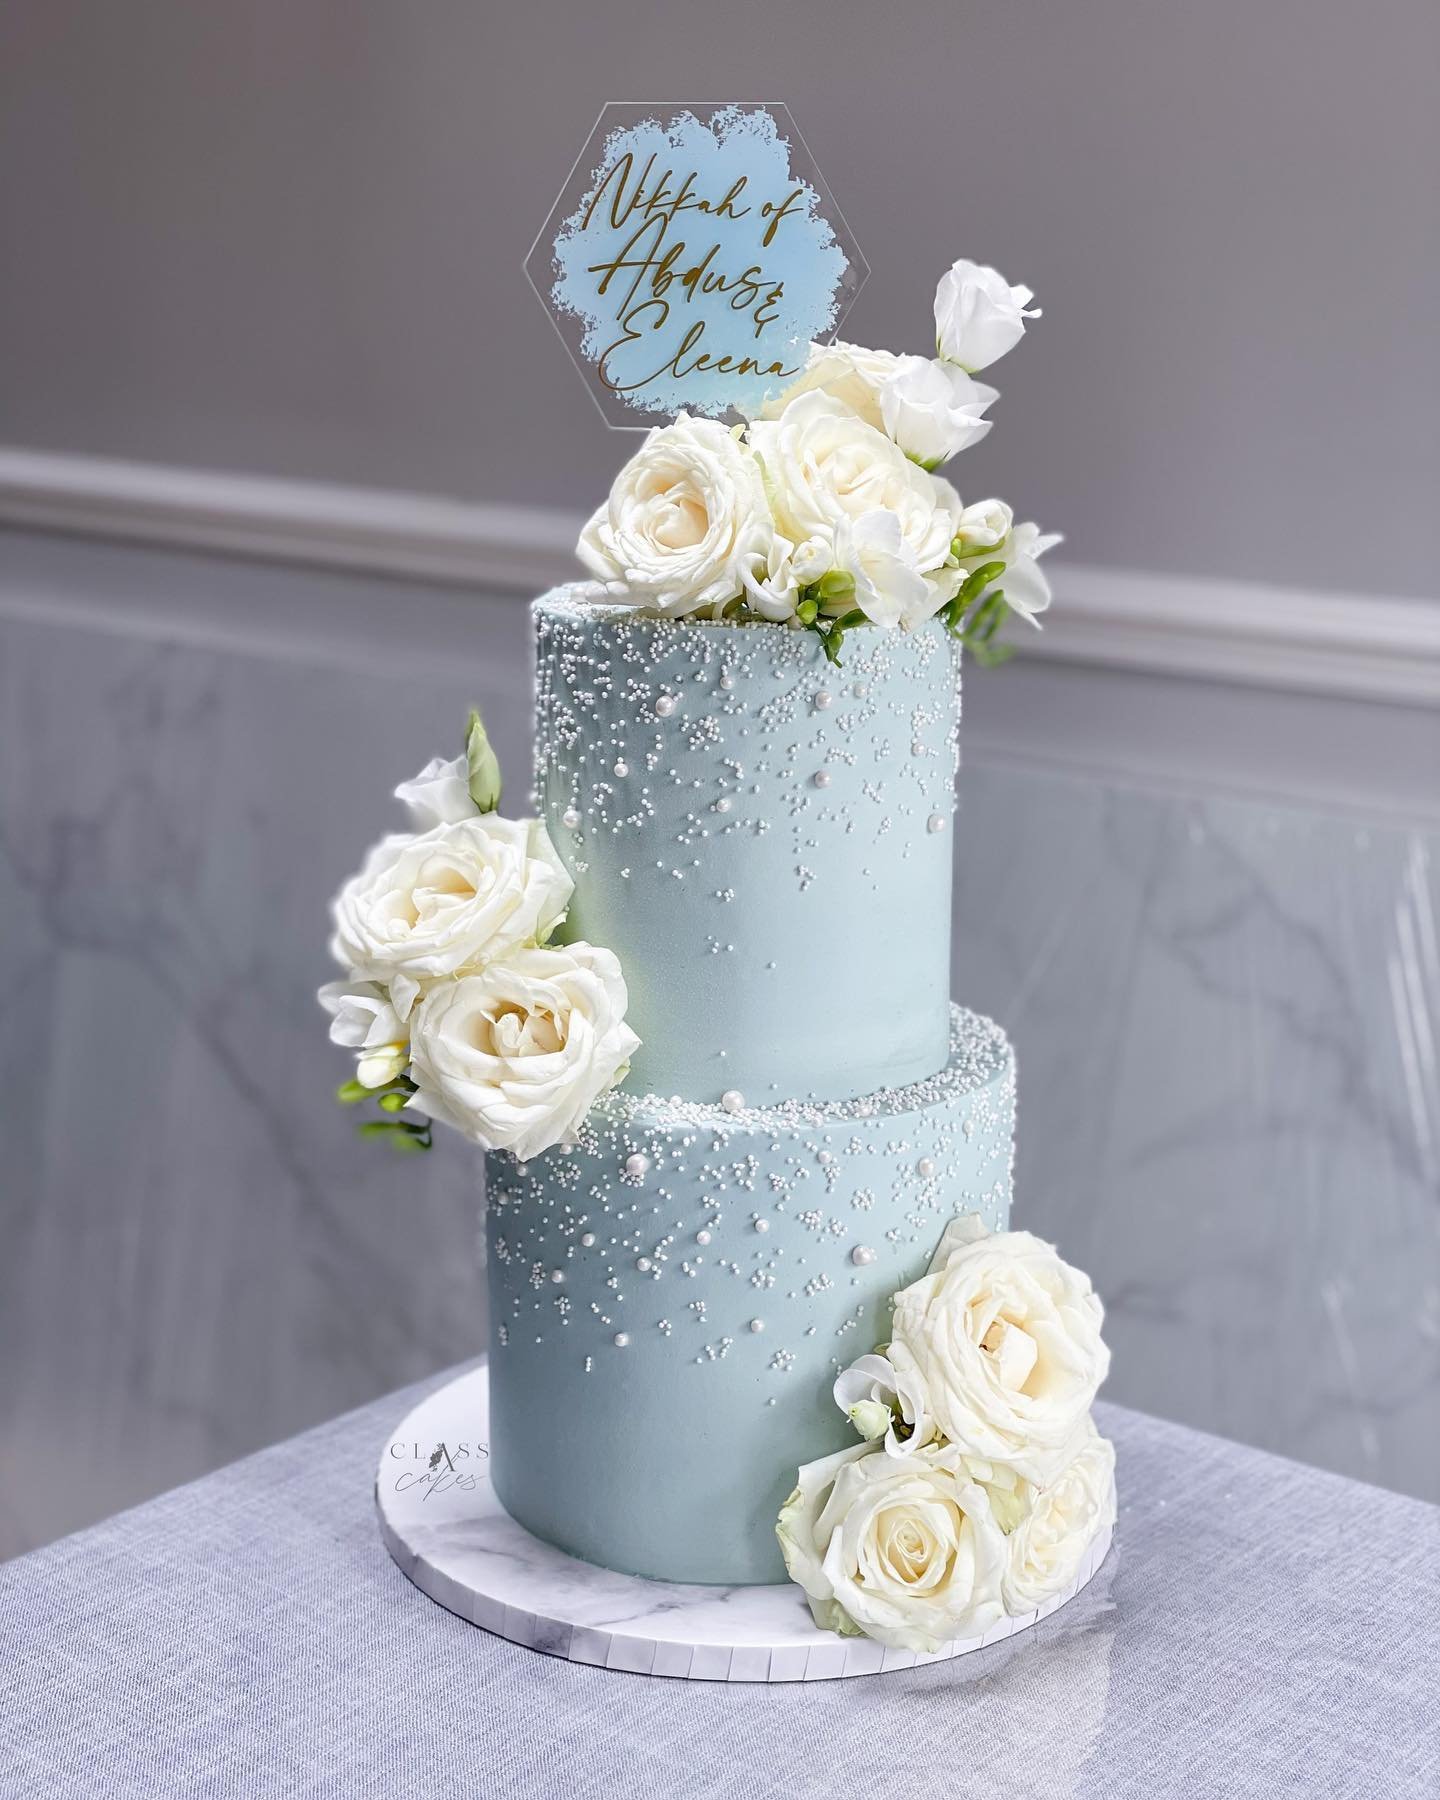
(982, 1481)
(457, 1005)
(825, 511)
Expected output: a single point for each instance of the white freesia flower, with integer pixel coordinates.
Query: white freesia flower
(773, 588)
(934, 410)
(434, 905)
(1023, 582)
(889, 589)
(1047, 1546)
(686, 522)
(870, 1394)
(361, 1016)
(849, 373)
(379, 1067)
(984, 525)
(439, 794)
(515, 1055)
(978, 315)
(1004, 1342)
(826, 469)
(902, 1549)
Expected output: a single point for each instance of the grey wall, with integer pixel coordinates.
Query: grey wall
(286, 236)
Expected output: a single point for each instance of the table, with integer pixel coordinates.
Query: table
(1262, 1629)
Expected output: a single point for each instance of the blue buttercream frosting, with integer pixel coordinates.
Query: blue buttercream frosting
(762, 838)
(672, 1296)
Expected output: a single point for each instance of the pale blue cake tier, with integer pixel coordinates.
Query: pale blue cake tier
(671, 1299)
(761, 838)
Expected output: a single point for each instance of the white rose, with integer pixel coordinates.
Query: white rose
(439, 794)
(903, 1549)
(515, 1055)
(849, 373)
(1045, 1550)
(1023, 582)
(433, 905)
(825, 469)
(686, 520)
(874, 1398)
(933, 410)
(1004, 1342)
(978, 315)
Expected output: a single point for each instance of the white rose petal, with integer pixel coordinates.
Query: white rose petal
(978, 315)
(686, 524)
(1048, 1545)
(903, 1549)
(1004, 1343)
(434, 905)
(439, 794)
(515, 1056)
(934, 410)
(826, 469)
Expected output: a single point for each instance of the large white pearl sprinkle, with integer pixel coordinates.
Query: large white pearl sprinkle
(757, 1324)
(732, 1100)
(622, 768)
(862, 1256)
(702, 1237)
(820, 779)
(936, 822)
(570, 818)
(587, 1240)
(637, 1164)
(621, 1339)
(925, 1168)
(665, 705)
(557, 1276)
(823, 699)
(644, 1264)
(762, 1224)
(723, 803)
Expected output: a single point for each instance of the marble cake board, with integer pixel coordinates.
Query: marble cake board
(453, 1539)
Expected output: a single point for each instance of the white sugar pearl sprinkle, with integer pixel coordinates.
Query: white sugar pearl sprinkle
(702, 1237)
(557, 1276)
(665, 705)
(644, 1264)
(862, 1256)
(587, 1240)
(570, 818)
(762, 1224)
(637, 1164)
(723, 803)
(936, 822)
(757, 1324)
(820, 779)
(925, 1168)
(823, 699)
(620, 1339)
(732, 1100)
(622, 768)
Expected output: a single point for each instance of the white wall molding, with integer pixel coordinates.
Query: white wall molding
(1367, 647)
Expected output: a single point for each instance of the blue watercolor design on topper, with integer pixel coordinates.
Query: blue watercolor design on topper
(795, 300)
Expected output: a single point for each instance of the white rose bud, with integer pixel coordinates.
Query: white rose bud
(686, 523)
(515, 1056)
(978, 315)
(482, 766)
(903, 1549)
(934, 410)
(1004, 1342)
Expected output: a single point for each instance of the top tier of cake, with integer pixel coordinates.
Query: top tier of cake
(762, 838)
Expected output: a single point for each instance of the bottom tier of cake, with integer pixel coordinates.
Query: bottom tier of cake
(672, 1296)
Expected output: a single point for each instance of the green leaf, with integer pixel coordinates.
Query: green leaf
(398, 1133)
(482, 765)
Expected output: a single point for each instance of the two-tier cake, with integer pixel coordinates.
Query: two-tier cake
(755, 1306)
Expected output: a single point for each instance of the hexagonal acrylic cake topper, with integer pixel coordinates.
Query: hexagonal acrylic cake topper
(692, 257)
